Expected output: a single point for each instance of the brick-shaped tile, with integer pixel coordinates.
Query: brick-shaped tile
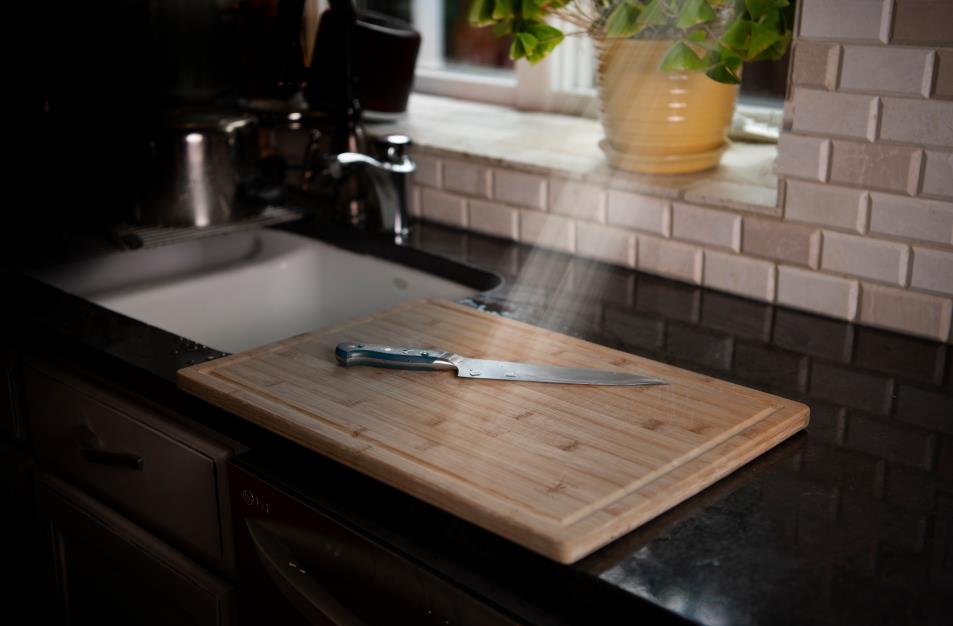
(938, 174)
(885, 261)
(914, 218)
(492, 218)
(707, 226)
(546, 230)
(815, 64)
(922, 22)
(740, 275)
(827, 205)
(844, 19)
(641, 212)
(932, 270)
(803, 157)
(922, 122)
(791, 243)
(876, 166)
(428, 170)
(906, 311)
(670, 258)
(878, 69)
(943, 85)
(835, 114)
(613, 245)
(575, 199)
(467, 177)
(442, 207)
(527, 190)
(817, 292)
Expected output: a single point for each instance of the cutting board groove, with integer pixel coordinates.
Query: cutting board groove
(560, 469)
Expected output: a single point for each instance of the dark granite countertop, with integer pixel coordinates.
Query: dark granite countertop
(851, 521)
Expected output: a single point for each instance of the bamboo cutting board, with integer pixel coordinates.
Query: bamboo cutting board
(560, 469)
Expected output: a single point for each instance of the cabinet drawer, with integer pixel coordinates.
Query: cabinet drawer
(138, 462)
(110, 571)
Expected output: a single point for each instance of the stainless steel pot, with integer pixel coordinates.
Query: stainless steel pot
(200, 170)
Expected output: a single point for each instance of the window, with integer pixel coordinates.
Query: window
(460, 61)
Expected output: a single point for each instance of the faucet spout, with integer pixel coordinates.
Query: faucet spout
(389, 179)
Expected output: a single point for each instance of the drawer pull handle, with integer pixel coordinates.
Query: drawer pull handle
(127, 460)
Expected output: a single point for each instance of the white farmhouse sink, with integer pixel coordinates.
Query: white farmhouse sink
(247, 289)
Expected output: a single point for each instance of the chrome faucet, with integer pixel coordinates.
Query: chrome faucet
(388, 175)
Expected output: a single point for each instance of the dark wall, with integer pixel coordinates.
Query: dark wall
(94, 75)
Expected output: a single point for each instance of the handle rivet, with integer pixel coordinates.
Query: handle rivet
(388, 349)
(424, 354)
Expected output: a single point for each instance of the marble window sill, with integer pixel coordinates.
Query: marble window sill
(550, 143)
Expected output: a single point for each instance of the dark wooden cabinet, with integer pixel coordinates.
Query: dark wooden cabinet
(110, 571)
(130, 502)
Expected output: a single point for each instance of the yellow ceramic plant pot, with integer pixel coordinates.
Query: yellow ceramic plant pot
(659, 122)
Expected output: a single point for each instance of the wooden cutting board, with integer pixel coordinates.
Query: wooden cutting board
(560, 469)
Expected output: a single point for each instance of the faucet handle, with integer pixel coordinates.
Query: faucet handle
(393, 148)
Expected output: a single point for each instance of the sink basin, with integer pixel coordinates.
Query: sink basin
(247, 289)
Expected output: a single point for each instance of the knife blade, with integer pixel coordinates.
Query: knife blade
(350, 354)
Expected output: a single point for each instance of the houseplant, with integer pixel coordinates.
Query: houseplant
(668, 69)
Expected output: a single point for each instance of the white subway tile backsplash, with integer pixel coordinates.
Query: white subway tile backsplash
(881, 69)
(938, 173)
(576, 199)
(932, 270)
(640, 212)
(466, 177)
(707, 226)
(792, 243)
(605, 243)
(876, 166)
(428, 170)
(546, 230)
(886, 261)
(816, 64)
(442, 207)
(828, 205)
(527, 190)
(834, 114)
(921, 122)
(803, 157)
(914, 218)
(492, 218)
(740, 275)
(843, 19)
(817, 292)
(670, 258)
(907, 311)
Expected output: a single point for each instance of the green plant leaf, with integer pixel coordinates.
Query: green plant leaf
(695, 12)
(680, 58)
(722, 74)
(696, 36)
(736, 37)
(622, 20)
(532, 9)
(759, 8)
(762, 38)
(547, 38)
(652, 15)
(523, 44)
(503, 10)
(501, 29)
(481, 12)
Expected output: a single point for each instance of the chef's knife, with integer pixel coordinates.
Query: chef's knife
(349, 354)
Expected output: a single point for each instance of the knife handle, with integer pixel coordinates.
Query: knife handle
(349, 354)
